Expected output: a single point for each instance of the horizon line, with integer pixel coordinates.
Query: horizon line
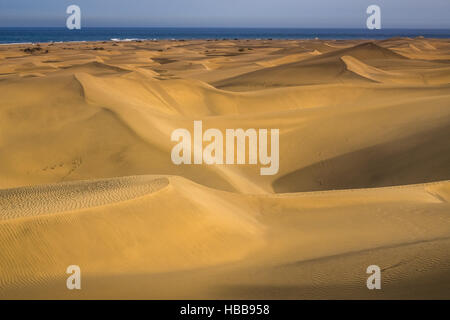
(185, 27)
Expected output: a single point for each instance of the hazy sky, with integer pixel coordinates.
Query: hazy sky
(227, 13)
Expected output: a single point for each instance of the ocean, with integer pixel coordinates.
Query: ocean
(34, 35)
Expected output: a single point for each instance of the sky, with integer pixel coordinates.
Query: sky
(227, 13)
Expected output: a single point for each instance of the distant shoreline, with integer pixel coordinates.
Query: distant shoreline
(187, 40)
(25, 35)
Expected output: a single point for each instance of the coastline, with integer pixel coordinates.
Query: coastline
(40, 35)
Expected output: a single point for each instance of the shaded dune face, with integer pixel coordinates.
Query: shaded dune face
(423, 157)
(86, 175)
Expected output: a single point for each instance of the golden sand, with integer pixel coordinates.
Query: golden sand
(86, 176)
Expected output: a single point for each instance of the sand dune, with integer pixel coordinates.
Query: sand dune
(87, 177)
(320, 69)
(293, 245)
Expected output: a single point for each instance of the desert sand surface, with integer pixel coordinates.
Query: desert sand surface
(86, 176)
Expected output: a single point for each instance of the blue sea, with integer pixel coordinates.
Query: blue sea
(34, 35)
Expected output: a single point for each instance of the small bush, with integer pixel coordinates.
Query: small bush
(32, 50)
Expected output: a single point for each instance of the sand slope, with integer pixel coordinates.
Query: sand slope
(292, 245)
(87, 179)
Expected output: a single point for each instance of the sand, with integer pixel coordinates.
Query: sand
(86, 176)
